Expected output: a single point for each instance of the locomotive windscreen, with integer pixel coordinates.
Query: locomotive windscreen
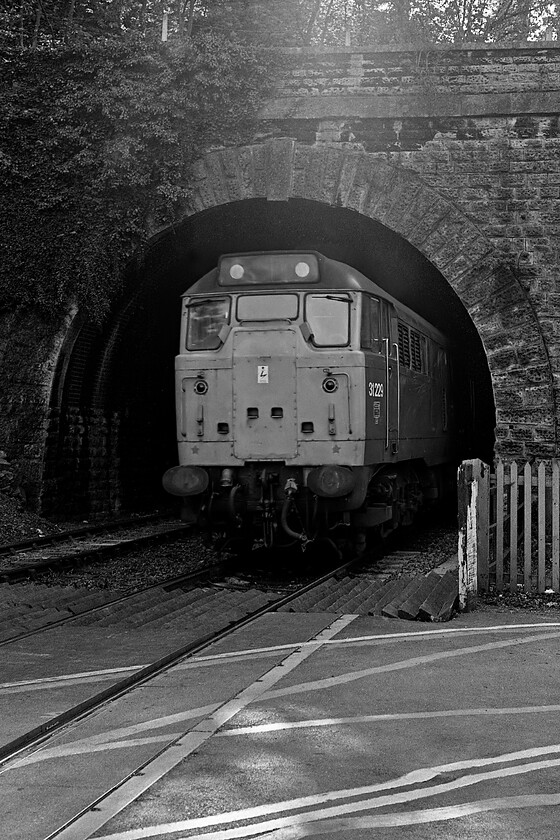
(257, 269)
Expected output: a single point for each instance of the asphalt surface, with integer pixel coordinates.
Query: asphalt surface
(315, 725)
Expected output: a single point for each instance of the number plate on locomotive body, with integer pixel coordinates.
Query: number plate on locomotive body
(262, 374)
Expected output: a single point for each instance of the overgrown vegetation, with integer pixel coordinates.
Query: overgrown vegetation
(101, 119)
(32, 23)
(96, 146)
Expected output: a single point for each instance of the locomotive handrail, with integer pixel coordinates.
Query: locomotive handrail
(387, 393)
(396, 346)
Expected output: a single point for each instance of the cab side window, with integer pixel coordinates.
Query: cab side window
(328, 316)
(370, 323)
(206, 318)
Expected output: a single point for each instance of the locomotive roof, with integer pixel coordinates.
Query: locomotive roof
(329, 274)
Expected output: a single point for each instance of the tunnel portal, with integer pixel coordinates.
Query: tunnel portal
(112, 414)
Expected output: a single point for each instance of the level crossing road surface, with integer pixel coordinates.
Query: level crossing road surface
(315, 725)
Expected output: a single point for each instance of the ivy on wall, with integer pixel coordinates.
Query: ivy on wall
(97, 142)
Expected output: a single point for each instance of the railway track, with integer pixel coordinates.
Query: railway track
(27, 610)
(209, 597)
(192, 611)
(32, 557)
(51, 607)
(249, 605)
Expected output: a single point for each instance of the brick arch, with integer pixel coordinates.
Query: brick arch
(399, 199)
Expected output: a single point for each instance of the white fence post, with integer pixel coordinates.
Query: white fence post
(472, 491)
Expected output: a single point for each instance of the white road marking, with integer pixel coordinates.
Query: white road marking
(60, 752)
(90, 748)
(153, 723)
(378, 637)
(32, 653)
(330, 682)
(387, 800)
(62, 680)
(108, 740)
(123, 795)
(449, 812)
(309, 724)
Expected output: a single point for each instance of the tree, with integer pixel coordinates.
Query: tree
(97, 141)
(30, 24)
(100, 122)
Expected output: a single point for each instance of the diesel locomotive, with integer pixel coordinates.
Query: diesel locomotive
(307, 399)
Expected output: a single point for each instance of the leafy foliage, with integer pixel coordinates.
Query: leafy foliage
(32, 23)
(424, 22)
(100, 121)
(96, 147)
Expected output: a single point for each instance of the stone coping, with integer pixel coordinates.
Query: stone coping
(499, 46)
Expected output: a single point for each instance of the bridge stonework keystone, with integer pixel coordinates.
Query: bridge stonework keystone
(279, 169)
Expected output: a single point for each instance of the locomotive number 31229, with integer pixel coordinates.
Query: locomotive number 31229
(375, 389)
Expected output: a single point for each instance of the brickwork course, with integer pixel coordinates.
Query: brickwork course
(455, 149)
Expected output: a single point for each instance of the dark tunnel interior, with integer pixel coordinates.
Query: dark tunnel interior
(127, 367)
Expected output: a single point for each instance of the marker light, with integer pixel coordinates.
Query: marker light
(237, 271)
(185, 481)
(302, 269)
(330, 385)
(331, 481)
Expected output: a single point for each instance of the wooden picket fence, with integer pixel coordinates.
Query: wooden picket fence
(509, 527)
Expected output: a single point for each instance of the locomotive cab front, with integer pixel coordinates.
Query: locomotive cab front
(288, 396)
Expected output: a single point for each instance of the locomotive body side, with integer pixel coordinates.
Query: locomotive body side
(304, 391)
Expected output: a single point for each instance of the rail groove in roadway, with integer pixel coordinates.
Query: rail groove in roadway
(331, 592)
(126, 684)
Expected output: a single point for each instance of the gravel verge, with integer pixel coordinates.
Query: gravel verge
(537, 602)
(17, 524)
(139, 569)
(432, 544)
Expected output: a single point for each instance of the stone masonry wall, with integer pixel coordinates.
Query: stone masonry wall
(481, 126)
(457, 149)
(465, 73)
(397, 197)
(29, 350)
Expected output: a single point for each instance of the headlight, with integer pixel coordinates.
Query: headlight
(237, 271)
(185, 481)
(331, 481)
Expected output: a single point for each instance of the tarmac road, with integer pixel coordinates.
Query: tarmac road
(333, 726)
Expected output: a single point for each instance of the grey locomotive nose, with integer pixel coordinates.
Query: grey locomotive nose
(308, 398)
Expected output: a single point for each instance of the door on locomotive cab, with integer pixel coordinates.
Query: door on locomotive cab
(382, 378)
(264, 394)
(392, 376)
(374, 355)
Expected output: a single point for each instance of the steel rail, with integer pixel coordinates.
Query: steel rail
(168, 583)
(76, 713)
(80, 556)
(77, 533)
